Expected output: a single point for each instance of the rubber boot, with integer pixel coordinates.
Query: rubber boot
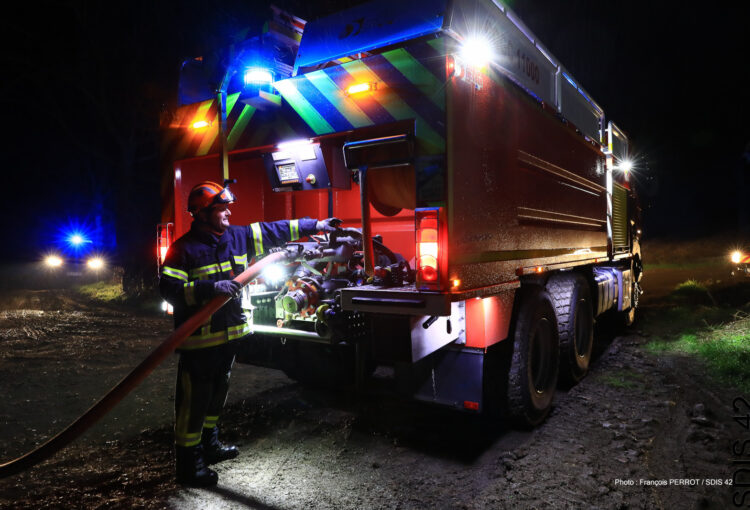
(192, 469)
(214, 450)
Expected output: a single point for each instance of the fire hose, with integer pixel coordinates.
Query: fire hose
(135, 377)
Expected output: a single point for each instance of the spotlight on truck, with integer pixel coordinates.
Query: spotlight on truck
(736, 257)
(477, 51)
(293, 144)
(275, 274)
(625, 166)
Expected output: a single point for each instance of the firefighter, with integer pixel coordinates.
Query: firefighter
(198, 266)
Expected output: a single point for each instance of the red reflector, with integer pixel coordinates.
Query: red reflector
(453, 67)
(428, 273)
(472, 406)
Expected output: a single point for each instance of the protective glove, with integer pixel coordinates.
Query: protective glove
(227, 287)
(292, 250)
(328, 225)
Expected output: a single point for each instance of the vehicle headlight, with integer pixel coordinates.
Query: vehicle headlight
(95, 263)
(736, 257)
(53, 261)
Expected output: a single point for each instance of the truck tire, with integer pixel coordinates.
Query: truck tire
(534, 363)
(571, 299)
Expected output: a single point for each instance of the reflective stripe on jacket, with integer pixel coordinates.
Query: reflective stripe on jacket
(199, 258)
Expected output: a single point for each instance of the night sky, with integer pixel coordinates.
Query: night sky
(85, 85)
(676, 79)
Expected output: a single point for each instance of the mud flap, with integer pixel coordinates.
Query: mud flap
(452, 377)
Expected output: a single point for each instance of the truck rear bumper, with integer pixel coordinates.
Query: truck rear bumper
(396, 300)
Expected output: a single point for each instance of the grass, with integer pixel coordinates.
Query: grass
(691, 291)
(103, 291)
(695, 325)
(725, 350)
(113, 293)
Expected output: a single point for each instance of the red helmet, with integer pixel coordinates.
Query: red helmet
(207, 194)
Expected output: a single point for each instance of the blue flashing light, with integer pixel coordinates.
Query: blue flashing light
(258, 76)
(77, 239)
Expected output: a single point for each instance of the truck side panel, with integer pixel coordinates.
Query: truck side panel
(526, 189)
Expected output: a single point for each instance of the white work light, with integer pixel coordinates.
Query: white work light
(625, 166)
(477, 51)
(292, 144)
(274, 274)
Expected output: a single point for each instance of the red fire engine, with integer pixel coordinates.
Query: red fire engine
(487, 212)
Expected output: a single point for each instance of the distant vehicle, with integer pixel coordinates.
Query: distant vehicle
(740, 263)
(80, 257)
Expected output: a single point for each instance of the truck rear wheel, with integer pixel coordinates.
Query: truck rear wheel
(571, 299)
(532, 377)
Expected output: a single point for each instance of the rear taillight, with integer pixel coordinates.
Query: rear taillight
(432, 248)
(164, 238)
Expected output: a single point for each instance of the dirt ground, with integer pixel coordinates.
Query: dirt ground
(635, 422)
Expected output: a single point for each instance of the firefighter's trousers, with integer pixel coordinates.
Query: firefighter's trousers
(201, 391)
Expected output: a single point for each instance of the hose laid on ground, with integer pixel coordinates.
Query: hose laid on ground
(134, 378)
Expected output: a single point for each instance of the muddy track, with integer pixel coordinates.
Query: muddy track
(635, 417)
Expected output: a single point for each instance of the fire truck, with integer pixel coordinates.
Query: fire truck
(488, 216)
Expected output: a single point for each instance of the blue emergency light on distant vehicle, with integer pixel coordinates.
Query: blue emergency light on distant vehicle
(77, 239)
(80, 245)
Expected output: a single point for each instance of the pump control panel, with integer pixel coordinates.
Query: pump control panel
(297, 168)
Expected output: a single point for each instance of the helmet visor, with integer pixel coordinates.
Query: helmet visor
(225, 196)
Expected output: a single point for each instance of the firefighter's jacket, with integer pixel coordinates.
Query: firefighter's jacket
(199, 258)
